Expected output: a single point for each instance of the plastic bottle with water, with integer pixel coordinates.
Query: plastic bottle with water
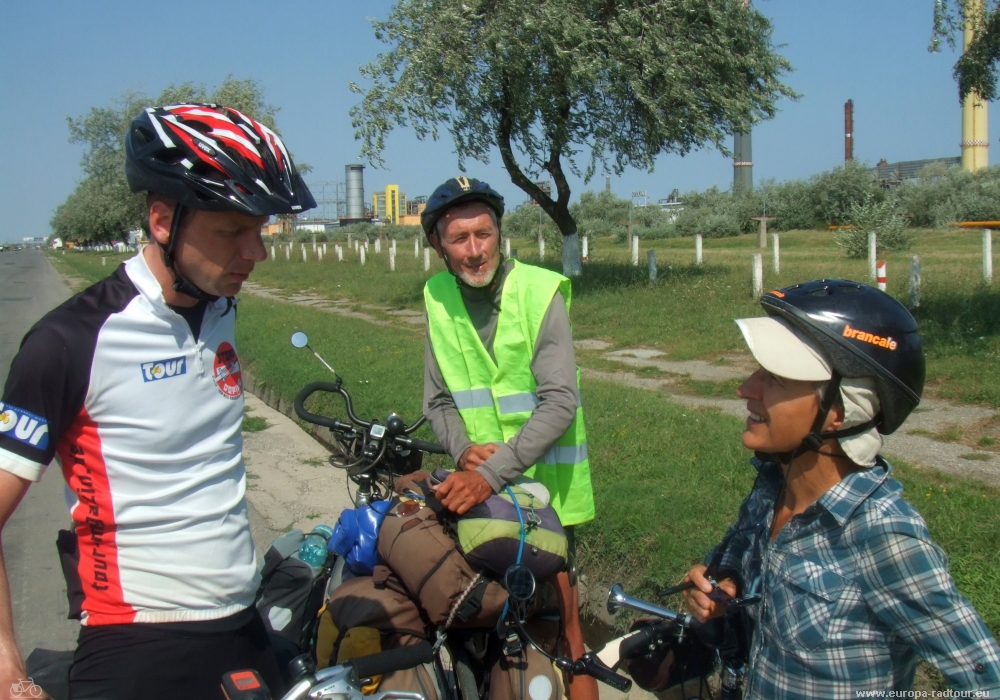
(313, 549)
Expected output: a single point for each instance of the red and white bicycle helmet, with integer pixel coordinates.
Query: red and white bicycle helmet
(214, 158)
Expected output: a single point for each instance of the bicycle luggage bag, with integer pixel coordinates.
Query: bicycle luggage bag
(428, 563)
(489, 534)
(290, 595)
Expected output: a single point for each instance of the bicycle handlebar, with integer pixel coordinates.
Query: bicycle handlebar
(397, 659)
(421, 445)
(334, 424)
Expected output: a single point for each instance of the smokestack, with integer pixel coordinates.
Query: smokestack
(849, 130)
(975, 136)
(354, 175)
(742, 163)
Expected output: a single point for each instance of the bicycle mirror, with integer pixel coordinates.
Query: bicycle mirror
(519, 582)
(300, 339)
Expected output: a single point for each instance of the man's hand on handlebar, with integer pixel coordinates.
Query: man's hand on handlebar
(476, 455)
(463, 490)
(699, 604)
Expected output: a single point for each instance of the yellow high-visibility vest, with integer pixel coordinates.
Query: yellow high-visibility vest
(495, 399)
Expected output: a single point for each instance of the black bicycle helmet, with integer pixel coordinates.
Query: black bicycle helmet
(456, 191)
(214, 158)
(863, 332)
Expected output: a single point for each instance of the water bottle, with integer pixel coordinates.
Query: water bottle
(313, 549)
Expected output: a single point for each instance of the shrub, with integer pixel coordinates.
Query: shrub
(837, 191)
(884, 219)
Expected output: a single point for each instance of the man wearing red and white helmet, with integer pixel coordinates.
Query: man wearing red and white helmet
(135, 385)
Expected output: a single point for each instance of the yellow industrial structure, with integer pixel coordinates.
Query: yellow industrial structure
(389, 205)
(975, 137)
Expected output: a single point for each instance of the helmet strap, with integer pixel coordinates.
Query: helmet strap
(182, 285)
(815, 438)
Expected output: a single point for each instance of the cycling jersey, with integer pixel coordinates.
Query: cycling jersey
(145, 422)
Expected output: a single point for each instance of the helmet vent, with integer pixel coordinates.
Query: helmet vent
(168, 156)
(850, 288)
(819, 292)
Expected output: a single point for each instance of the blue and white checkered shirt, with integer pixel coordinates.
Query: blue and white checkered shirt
(853, 593)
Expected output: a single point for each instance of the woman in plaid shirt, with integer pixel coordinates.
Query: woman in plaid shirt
(852, 588)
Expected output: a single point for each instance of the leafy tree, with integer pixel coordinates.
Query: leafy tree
(101, 208)
(880, 216)
(576, 85)
(976, 70)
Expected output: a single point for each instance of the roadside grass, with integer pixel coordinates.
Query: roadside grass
(668, 480)
(86, 265)
(254, 424)
(688, 314)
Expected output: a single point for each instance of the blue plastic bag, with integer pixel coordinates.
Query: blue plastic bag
(355, 537)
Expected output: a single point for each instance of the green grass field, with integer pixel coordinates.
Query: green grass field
(688, 314)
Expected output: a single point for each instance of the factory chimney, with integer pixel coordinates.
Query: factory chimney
(849, 130)
(742, 163)
(354, 176)
(975, 136)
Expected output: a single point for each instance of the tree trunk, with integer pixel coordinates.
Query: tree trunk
(558, 208)
(572, 266)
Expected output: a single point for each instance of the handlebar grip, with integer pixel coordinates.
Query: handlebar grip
(392, 660)
(595, 668)
(430, 447)
(314, 418)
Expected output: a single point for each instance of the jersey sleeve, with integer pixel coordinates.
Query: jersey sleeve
(44, 392)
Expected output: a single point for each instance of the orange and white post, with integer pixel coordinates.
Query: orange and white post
(880, 274)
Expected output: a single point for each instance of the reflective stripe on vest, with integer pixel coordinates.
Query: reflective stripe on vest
(495, 399)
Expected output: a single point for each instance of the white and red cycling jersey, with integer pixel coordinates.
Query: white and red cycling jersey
(145, 421)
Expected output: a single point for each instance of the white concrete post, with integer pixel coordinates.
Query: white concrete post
(697, 249)
(340, 253)
(362, 251)
(427, 259)
(775, 255)
(392, 245)
(541, 248)
(872, 252)
(272, 251)
(348, 239)
(319, 253)
(324, 249)
(304, 252)
(103, 262)
(651, 259)
(586, 249)
(880, 271)
(416, 247)
(506, 247)
(392, 259)
(378, 245)
(758, 275)
(987, 256)
(314, 242)
(288, 252)
(635, 251)
(915, 282)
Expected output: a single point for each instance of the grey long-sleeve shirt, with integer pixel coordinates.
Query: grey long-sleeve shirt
(554, 369)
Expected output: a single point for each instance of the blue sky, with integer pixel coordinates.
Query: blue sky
(58, 59)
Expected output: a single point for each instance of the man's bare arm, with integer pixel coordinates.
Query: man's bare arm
(12, 490)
